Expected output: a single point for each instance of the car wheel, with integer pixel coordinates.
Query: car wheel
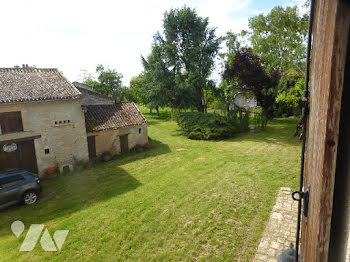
(30, 197)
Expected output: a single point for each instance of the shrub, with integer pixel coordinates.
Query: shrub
(210, 126)
(259, 119)
(239, 118)
(205, 126)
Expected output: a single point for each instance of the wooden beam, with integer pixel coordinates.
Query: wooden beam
(331, 29)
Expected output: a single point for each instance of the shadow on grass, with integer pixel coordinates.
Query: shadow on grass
(280, 131)
(66, 194)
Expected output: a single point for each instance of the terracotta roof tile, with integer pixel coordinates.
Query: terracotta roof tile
(104, 117)
(34, 84)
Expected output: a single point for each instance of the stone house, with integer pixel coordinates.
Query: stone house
(42, 121)
(114, 127)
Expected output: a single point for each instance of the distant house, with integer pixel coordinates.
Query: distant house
(242, 99)
(113, 127)
(46, 121)
(42, 123)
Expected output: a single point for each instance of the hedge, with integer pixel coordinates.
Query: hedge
(210, 126)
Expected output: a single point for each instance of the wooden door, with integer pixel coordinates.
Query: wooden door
(23, 158)
(8, 159)
(27, 157)
(330, 35)
(124, 144)
(11, 122)
(91, 146)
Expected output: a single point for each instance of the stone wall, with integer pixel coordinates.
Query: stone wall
(61, 125)
(108, 140)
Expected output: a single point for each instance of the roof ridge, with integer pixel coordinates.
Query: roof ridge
(31, 69)
(35, 84)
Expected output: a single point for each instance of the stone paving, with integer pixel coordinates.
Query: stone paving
(281, 228)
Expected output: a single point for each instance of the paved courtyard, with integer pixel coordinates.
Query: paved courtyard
(281, 228)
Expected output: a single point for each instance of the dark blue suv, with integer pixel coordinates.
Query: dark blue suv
(18, 186)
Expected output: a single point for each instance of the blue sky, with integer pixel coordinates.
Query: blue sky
(76, 35)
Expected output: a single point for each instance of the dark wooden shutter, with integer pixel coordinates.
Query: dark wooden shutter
(11, 122)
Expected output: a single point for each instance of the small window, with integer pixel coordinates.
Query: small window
(56, 122)
(47, 151)
(140, 130)
(68, 121)
(60, 122)
(64, 121)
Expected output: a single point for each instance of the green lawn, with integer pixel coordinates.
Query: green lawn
(181, 200)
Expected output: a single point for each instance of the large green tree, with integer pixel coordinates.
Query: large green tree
(182, 59)
(246, 70)
(108, 82)
(229, 86)
(279, 38)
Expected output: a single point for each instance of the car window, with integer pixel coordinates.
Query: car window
(11, 180)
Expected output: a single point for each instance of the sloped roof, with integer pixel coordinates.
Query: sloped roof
(90, 97)
(81, 85)
(104, 117)
(34, 84)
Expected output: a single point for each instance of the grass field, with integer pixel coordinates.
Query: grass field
(181, 200)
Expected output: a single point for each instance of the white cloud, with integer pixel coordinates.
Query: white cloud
(79, 34)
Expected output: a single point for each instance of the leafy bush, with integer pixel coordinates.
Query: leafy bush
(239, 118)
(205, 126)
(259, 119)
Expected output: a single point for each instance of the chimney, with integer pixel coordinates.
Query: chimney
(23, 66)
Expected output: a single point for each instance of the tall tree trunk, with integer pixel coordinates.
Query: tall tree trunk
(200, 108)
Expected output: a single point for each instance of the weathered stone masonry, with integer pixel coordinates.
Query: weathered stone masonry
(63, 140)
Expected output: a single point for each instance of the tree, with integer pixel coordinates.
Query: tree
(135, 90)
(182, 59)
(109, 82)
(247, 71)
(228, 87)
(292, 86)
(158, 80)
(279, 38)
(232, 46)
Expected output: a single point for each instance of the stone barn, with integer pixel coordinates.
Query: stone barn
(116, 128)
(111, 126)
